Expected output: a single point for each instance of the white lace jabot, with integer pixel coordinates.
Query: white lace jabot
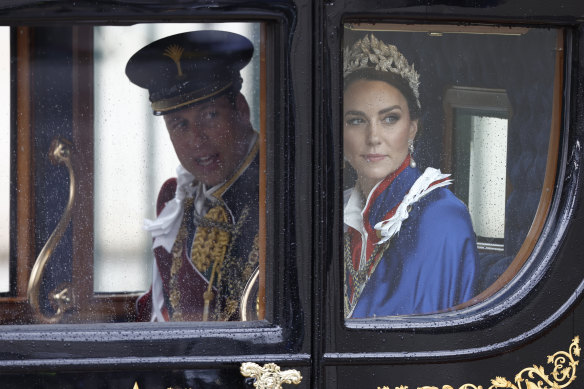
(164, 228)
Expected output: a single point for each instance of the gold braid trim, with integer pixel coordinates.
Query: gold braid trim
(210, 243)
(240, 170)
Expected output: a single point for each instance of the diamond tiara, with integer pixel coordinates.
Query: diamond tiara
(371, 53)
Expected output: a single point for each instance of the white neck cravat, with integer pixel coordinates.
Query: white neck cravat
(165, 228)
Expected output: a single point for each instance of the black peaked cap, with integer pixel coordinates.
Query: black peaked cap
(184, 69)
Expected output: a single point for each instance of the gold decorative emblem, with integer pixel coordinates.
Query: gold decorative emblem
(175, 52)
(269, 376)
(535, 377)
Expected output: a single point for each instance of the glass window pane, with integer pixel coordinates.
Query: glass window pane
(133, 153)
(94, 164)
(138, 136)
(419, 98)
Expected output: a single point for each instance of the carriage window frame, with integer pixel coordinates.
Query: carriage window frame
(191, 345)
(489, 300)
(108, 307)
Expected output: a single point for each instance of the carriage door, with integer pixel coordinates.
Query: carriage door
(499, 115)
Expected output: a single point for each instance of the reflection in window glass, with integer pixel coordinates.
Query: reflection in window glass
(5, 153)
(133, 153)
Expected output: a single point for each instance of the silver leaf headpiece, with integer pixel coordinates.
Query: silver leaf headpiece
(372, 53)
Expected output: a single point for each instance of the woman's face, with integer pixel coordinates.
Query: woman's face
(377, 127)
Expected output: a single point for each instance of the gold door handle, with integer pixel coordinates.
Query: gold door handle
(61, 298)
(270, 376)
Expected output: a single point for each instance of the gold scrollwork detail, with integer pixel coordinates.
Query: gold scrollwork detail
(535, 377)
(269, 376)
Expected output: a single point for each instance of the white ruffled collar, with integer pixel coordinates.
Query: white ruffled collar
(430, 180)
(353, 210)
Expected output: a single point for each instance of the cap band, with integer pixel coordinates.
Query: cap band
(165, 105)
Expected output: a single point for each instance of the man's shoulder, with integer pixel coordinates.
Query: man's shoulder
(166, 193)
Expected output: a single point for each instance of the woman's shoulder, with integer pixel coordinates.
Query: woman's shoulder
(442, 208)
(438, 197)
(443, 197)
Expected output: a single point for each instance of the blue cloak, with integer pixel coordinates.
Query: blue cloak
(428, 267)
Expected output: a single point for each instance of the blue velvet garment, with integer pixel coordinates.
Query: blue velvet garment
(431, 264)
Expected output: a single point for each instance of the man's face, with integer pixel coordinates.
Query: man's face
(211, 138)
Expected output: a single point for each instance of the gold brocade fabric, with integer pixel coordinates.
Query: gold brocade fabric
(237, 277)
(211, 241)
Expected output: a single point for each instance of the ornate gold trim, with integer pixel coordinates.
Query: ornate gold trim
(182, 100)
(244, 165)
(563, 374)
(269, 376)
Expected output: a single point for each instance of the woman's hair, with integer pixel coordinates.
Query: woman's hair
(373, 60)
(392, 79)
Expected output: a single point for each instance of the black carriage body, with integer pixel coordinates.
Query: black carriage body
(535, 314)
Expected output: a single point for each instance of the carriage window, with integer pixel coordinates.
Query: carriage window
(144, 149)
(450, 140)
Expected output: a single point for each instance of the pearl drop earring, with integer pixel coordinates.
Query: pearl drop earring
(411, 148)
